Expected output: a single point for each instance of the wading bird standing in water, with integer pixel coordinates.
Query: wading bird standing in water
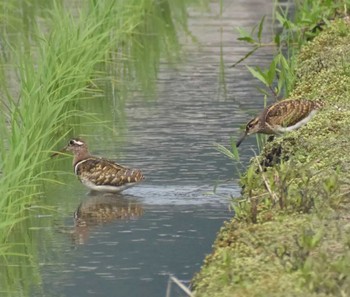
(99, 174)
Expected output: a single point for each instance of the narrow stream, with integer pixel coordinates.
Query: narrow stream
(166, 225)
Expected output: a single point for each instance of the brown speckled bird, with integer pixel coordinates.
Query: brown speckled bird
(99, 174)
(282, 117)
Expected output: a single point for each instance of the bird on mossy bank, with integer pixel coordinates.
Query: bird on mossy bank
(281, 117)
(100, 174)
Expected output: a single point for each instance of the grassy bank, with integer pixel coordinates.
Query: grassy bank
(56, 57)
(291, 232)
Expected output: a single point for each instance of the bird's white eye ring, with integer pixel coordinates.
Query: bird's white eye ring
(75, 142)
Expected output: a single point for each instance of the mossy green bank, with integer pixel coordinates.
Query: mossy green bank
(291, 232)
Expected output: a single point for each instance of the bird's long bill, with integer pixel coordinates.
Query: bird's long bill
(240, 140)
(59, 152)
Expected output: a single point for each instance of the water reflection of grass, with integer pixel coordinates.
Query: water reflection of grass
(19, 268)
(48, 71)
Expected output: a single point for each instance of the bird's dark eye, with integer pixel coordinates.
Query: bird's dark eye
(71, 142)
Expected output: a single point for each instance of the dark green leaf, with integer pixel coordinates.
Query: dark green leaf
(270, 75)
(261, 25)
(257, 73)
(245, 57)
(247, 39)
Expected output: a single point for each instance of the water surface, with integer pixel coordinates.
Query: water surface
(128, 245)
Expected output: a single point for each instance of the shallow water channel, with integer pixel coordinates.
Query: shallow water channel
(166, 225)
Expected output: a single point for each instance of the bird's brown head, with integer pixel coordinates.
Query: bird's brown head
(76, 146)
(253, 126)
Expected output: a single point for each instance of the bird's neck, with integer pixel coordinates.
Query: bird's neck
(80, 155)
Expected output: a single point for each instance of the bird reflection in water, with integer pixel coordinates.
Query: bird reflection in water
(103, 209)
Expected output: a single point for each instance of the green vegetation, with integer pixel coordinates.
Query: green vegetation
(57, 57)
(290, 234)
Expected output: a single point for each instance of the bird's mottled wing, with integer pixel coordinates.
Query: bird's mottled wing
(289, 112)
(105, 172)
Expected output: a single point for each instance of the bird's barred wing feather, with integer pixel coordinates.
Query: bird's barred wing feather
(288, 113)
(106, 172)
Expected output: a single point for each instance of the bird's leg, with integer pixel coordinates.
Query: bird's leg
(270, 138)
